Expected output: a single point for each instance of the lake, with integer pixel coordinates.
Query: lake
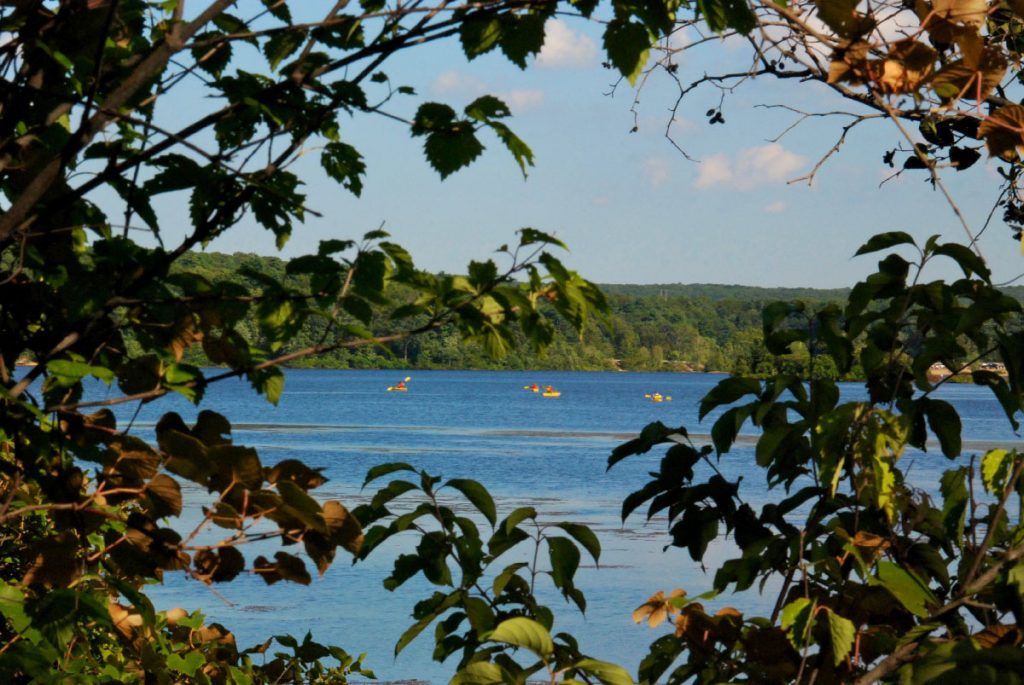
(549, 453)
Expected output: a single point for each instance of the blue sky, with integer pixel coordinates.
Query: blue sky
(631, 207)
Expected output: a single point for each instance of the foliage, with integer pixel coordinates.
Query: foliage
(486, 610)
(876, 578)
(657, 328)
(945, 71)
(94, 142)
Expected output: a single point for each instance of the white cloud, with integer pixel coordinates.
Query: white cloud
(753, 167)
(449, 82)
(459, 84)
(520, 101)
(564, 47)
(658, 171)
(777, 207)
(770, 163)
(714, 170)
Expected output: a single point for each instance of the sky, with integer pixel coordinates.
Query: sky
(631, 207)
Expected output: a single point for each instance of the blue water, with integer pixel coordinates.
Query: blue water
(549, 453)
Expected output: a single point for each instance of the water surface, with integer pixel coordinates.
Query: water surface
(549, 453)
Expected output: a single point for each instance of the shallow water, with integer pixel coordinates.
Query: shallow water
(549, 453)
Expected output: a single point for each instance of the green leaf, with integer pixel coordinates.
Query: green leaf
(996, 467)
(479, 34)
(187, 664)
(12, 606)
(451, 143)
(727, 427)
(514, 144)
(945, 423)
(953, 487)
(282, 44)
(842, 17)
(906, 587)
(69, 372)
(449, 151)
(583, 535)
(522, 36)
(968, 261)
(137, 198)
(531, 236)
(842, 632)
(503, 578)
(883, 241)
(344, 164)
(608, 673)
(627, 44)
(728, 14)
(487, 107)
(480, 673)
(384, 469)
(517, 516)
(416, 628)
(269, 382)
(477, 494)
(565, 560)
(525, 633)
(796, 619)
(727, 392)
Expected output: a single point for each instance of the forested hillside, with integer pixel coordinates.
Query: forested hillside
(673, 327)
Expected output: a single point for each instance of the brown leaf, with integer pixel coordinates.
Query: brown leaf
(869, 540)
(219, 566)
(134, 460)
(212, 428)
(165, 494)
(647, 608)
(839, 71)
(297, 472)
(998, 635)
(964, 12)
(940, 29)
(345, 530)
(225, 516)
(124, 619)
(287, 567)
(235, 464)
(1003, 132)
(849, 63)
(769, 647)
(102, 419)
(961, 80)
(185, 334)
(972, 46)
(908, 66)
(55, 561)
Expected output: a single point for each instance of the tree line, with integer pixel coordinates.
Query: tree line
(672, 327)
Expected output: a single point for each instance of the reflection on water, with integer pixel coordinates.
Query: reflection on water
(549, 453)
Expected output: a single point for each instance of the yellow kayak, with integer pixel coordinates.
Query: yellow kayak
(400, 386)
(552, 393)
